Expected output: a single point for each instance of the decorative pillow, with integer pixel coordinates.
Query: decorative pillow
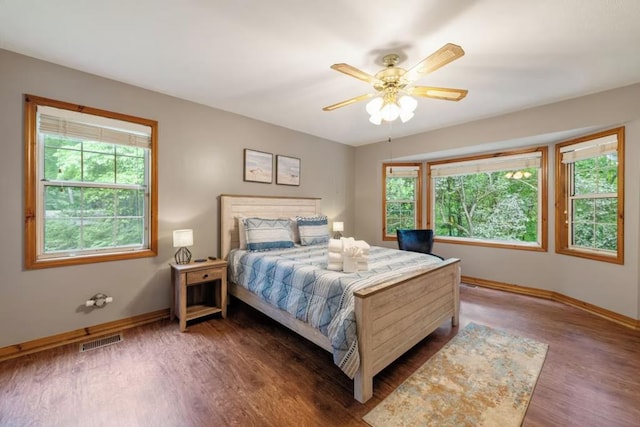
(313, 230)
(242, 233)
(295, 233)
(268, 233)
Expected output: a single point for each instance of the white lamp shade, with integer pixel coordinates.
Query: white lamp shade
(338, 226)
(373, 106)
(376, 119)
(182, 238)
(407, 103)
(390, 112)
(405, 116)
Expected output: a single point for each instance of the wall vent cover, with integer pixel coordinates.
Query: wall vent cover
(101, 342)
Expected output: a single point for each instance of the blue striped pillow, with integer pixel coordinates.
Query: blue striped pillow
(267, 233)
(313, 230)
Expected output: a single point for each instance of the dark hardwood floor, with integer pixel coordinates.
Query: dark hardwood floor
(247, 370)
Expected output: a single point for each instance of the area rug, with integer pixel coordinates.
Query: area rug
(482, 377)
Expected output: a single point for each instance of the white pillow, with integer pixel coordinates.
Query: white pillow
(295, 233)
(264, 234)
(242, 233)
(313, 230)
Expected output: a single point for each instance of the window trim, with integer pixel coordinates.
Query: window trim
(32, 197)
(419, 199)
(563, 198)
(542, 200)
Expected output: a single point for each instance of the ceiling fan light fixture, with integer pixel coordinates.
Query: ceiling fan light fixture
(405, 116)
(391, 109)
(395, 92)
(407, 104)
(374, 106)
(390, 112)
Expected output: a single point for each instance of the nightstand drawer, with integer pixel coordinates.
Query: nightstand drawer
(194, 277)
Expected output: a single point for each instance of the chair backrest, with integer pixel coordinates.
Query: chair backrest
(415, 240)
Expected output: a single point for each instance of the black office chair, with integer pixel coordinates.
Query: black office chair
(416, 241)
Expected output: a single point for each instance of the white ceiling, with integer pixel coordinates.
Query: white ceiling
(269, 59)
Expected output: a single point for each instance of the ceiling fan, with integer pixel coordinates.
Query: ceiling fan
(394, 88)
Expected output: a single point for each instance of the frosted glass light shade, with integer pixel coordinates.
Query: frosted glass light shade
(182, 238)
(390, 112)
(338, 226)
(407, 103)
(373, 106)
(405, 116)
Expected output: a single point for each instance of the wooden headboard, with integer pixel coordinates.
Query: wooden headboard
(232, 207)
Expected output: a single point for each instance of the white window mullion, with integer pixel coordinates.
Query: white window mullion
(59, 183)
(595, 196)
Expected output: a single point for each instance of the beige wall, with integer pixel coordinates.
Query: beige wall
(613, 287)
(200, 156)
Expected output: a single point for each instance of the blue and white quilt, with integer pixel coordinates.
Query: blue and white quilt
(296, 280)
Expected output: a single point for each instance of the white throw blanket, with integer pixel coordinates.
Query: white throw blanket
(348, 255)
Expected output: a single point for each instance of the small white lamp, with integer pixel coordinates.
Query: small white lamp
(182, 239)
(338, 228)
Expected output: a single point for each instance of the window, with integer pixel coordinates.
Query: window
(490, 200)
(90, 185)
(590, 197)
(402, 197)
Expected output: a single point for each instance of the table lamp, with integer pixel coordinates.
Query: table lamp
(182, 239)
(338, 228)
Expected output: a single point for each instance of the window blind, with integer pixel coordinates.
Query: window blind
(402, 171)
(589, 149)
(493, 164)
(89, 127)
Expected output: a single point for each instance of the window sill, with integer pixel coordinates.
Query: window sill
(536, 247)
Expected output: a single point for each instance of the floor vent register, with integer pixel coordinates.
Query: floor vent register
(101, 342)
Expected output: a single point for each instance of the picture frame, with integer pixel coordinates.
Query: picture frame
(258, 166)
(287, 170)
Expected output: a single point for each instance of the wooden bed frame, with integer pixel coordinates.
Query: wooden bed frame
(391, 317)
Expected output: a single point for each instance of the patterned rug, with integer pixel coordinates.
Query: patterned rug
(482, 377)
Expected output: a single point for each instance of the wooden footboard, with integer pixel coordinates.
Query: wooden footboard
(393, 317)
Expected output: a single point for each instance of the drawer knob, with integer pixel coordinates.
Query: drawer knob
(205, 276)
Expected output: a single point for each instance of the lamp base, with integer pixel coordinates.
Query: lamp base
(337, 235)
(183, 256)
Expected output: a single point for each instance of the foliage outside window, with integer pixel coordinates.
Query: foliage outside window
(90, 190)
(402, 197)
(590, 193)
(490, 200)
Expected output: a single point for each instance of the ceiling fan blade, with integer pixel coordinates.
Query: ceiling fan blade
(441, 57)
(348, 102)
(447, 94)
(354, 72)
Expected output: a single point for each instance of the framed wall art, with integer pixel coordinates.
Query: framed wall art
(287, 170)
(258, 166)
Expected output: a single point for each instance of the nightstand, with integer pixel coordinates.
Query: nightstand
(199, 289)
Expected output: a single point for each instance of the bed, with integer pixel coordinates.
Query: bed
(390, 317)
